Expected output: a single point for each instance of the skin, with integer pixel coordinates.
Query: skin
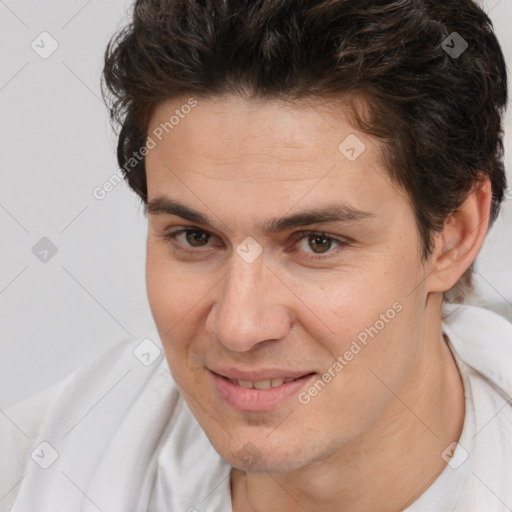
(372, 438)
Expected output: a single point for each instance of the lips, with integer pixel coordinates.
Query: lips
(258, 391)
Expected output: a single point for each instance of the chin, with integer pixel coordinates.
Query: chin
(264, 457)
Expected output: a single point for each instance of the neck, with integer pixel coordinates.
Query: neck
(390, 464)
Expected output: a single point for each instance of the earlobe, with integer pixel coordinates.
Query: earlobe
(461, 239)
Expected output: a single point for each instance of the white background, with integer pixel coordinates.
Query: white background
(56, 147)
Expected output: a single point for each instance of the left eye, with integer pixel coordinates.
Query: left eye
(320, 243)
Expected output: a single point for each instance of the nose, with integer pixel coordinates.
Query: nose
(250, 306)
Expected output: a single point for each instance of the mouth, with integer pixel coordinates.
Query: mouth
(259, 395)
(263, 384)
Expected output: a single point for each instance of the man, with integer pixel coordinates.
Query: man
(318, 179)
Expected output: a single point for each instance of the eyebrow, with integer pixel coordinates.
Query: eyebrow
(345, 213)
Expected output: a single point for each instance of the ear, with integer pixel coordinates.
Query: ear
(461, 239)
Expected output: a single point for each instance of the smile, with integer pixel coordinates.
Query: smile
(258, 395)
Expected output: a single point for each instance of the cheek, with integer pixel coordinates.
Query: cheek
(351, 300)
(171, 292)
(369, 318)
(375, 349)
(381, 341)
(178, 296)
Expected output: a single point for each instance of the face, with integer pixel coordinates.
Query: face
(294, 258)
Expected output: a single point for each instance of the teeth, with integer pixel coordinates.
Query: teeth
(262, 384)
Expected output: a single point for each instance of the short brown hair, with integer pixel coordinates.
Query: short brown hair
(439, 113)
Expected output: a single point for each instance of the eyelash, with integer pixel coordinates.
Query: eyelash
(170, 236)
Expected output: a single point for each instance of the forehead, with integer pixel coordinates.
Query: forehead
(262, 151)
(261, 132)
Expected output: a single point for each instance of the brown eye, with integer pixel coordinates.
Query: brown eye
(319, 243)
(196, 238)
